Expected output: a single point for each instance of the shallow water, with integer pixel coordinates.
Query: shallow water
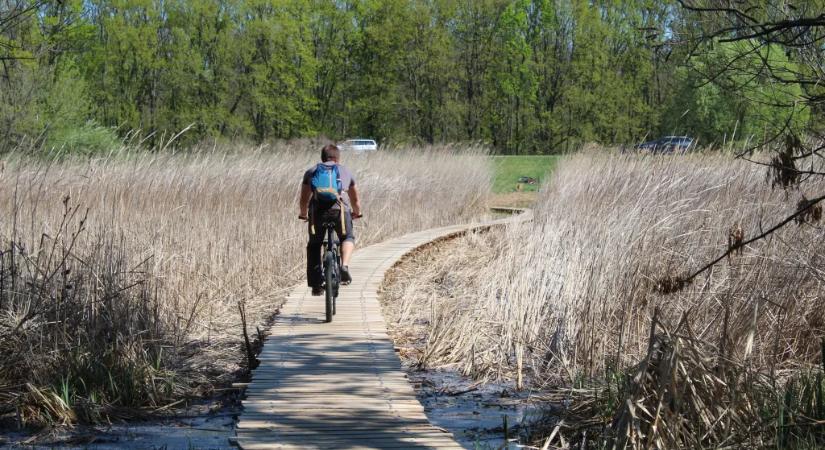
(195, 430)
(474, 413)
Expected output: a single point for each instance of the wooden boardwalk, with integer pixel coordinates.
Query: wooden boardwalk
(340, 385)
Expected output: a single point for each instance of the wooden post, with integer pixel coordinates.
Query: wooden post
(252, 361)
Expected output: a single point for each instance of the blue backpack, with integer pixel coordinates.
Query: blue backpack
(326, 185)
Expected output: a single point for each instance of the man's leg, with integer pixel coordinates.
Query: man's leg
(315, 274)
(347, 247)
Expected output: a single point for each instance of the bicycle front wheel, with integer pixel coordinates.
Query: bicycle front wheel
(329, 261)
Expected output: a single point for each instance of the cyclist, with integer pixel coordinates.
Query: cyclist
(341, 213)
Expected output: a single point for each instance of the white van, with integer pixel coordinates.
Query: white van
(359, 145)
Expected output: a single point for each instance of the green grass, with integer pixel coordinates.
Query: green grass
(508, 169)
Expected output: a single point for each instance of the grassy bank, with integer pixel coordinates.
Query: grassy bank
(509, 168)
(121, 278)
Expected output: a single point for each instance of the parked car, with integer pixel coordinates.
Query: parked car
(359, 145)
(668, 144)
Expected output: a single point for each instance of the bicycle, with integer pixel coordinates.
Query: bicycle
(331, 261)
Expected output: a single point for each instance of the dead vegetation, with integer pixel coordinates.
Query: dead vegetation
(422, 293)
(593, 303)
(121, 277)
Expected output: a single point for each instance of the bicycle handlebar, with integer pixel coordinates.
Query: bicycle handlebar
(306, 218)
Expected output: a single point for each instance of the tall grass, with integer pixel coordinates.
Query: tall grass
(578, 295)
(120, 277)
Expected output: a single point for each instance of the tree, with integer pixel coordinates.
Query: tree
(277, 68)
(512, 82)
(741, 101)
(426, 70)
(41, 91)
(523, 75)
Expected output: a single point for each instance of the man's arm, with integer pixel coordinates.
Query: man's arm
(303, 202)
(356, 202)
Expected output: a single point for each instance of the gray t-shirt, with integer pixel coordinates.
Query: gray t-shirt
(347, 181)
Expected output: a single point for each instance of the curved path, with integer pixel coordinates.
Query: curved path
(340, 385)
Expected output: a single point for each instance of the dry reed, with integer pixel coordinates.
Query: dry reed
(571, 297)
(121, 276)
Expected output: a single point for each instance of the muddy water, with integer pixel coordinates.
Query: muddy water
(197, 428)
(475, 413)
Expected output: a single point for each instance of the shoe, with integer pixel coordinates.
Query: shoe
(346, 278)
(317, 291)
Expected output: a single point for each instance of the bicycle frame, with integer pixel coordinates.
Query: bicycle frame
(330, 236)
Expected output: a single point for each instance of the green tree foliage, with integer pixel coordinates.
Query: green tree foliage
(728, 92)
(527, 76)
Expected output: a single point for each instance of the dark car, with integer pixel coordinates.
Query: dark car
(668, 144)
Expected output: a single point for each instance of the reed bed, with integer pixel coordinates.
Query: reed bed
(588, 298)
(121, 277)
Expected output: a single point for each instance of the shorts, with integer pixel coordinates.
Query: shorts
(318, 218)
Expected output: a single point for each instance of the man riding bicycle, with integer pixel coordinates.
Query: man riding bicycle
(316, 210)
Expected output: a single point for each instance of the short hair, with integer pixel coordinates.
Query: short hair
(330, 152)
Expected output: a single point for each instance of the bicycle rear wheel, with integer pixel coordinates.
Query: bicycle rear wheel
(329, 277)
(336, 281)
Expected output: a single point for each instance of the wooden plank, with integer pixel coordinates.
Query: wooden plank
(330, 406)
(421, 432)
(265, 445)
(385, 420)
(335, 436)
(287, 390)
(262, 426)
